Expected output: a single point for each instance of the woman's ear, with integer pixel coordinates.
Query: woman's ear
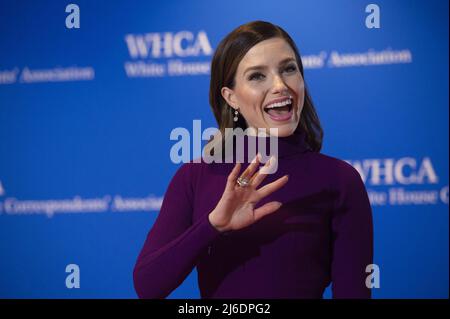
(229, 96)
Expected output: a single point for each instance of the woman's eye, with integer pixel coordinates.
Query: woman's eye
(290, 68)
(256, 76)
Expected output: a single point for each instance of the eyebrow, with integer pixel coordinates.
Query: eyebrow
(261, 67)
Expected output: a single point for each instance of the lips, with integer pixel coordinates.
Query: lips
(280, 110)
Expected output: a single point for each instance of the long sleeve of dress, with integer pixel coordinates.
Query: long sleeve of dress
(174, 243)
(352, 235)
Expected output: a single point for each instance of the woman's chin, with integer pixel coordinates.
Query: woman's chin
(274, 128)
(282, 130)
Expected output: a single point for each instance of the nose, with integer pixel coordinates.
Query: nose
(279, 86)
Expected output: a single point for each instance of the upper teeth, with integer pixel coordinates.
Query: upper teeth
(279, 104)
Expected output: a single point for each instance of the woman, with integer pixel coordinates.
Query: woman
(253, 234)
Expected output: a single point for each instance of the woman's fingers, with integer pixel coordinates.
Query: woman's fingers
(266, 209)
(232, 177)
(272, 187)
(262, 173)
(248, 172)
(251, 169)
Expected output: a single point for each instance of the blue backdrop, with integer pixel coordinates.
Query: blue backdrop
(86, 114)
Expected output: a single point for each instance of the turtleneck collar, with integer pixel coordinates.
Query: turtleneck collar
(287, 145)
(293, 144)
(269, 145)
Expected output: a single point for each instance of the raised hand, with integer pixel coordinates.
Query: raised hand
(236, 207)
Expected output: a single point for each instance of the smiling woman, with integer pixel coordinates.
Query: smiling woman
(268, 89)
(251, 234)
(255, 66)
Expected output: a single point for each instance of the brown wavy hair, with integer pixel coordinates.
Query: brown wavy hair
(224, 64)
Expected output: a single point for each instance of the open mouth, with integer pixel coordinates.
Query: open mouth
(280, 111)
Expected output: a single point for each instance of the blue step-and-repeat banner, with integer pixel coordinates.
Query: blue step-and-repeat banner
(87, 107)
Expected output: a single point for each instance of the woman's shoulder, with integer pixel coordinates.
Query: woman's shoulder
(191, 170)
(187, 169)
(339, 169)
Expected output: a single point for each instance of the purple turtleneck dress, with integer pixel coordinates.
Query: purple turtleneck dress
(322, 233)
